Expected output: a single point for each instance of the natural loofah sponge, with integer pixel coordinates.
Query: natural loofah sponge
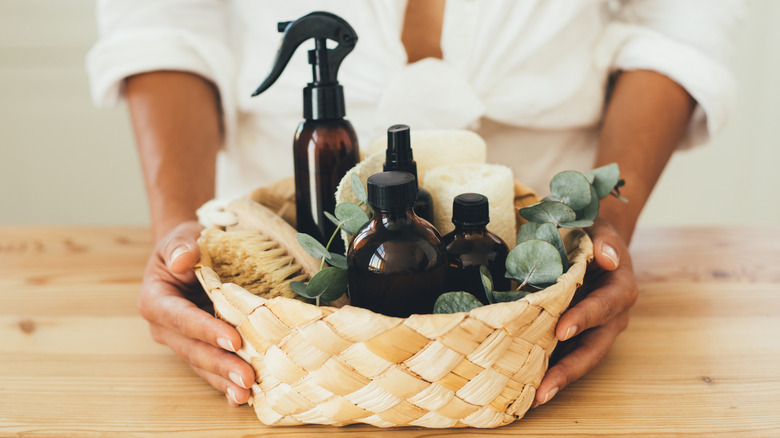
(492, 180)
(434, 148)
(253, 261)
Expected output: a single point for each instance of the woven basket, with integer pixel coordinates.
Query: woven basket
(338, 366)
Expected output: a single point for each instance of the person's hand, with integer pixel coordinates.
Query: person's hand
(591, 325)
(169, 300)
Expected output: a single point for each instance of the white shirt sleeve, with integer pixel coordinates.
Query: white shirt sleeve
(138, 36)
(691, 42)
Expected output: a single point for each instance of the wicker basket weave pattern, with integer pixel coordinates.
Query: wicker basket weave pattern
(340, 366)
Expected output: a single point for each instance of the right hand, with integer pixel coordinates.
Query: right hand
(169, 300)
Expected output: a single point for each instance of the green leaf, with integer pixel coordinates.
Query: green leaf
(357, 188)
(571, 188)
(589, 176)
(487, 282)
(577, 224)
(547, 232)
(605, 178)
(352, 215)
(590, 212)
(328, 284)
(332, 218)
(337, 260)
(548, 211)
(453, 302)
(299, 288)
(312, 246)
(535, 262)
(512, 295)
(527, 231)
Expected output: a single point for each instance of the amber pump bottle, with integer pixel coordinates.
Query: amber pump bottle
(397, 263)
(471, 245)
(399, 157)
(325, 145)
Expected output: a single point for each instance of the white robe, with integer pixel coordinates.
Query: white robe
(529, 75)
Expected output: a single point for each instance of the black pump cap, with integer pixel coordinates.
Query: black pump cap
(399, 150)
(392, 190)
(470, 209)
(323, 98)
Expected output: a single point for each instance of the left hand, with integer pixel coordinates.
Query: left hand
(593, 324)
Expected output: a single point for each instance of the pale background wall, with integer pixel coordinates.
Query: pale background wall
(64, 162)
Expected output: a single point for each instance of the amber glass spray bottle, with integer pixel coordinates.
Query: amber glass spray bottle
(325, 145)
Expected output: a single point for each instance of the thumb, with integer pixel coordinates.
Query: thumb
(608, 246)
(181, 251)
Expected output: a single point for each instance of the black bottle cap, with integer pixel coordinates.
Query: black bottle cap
(399, 150)
(323, 102)
(392, 190)
(470, 209)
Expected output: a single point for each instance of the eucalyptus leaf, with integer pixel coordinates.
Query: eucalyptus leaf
(352, 215)
(549, 233)
(527, 231)
(328, 284)
(453, 302)
(589, 176)
(605, 178)
(582, 223)
(512, 295)
(534, 262)
(487, 282)
(305, 292)
(590, 212)
(312, 246)
(332, 218)
(337, 260)
(357, 188)
(571, 188)
(548, 211)
(298, 287)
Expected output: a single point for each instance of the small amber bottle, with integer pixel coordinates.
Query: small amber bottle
(471, 245)
(397, 263)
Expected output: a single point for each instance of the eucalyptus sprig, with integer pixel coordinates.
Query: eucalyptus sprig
(540, 257)
(330, 283)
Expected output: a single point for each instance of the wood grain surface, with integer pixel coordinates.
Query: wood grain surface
(700, 357)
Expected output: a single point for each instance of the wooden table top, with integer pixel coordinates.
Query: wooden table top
(701, 354)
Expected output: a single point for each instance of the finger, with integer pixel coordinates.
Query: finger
(162, 304)
(615, 294)
(235, 395)
(609, 249)
(206, 357)
(181, 252)
(593, 347)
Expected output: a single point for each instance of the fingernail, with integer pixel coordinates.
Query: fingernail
(609, 252)
(550, 394)
(570, 332)
(179, 250)
(232, 395)
(237, 379)
(226, 344)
